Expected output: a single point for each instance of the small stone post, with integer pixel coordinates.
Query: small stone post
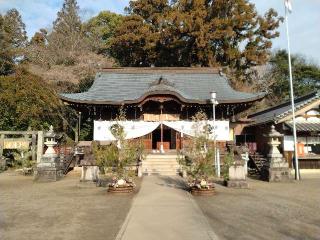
(1, 144)
(33, 146)
(278, 167)
(39, 146)
(237, 173)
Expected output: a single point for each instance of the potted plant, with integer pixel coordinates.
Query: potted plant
(117, 158)
(198, 157)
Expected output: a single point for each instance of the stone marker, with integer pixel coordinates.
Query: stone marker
(89, 173)
(237, 172)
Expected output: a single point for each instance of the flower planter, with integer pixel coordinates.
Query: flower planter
(195, 191)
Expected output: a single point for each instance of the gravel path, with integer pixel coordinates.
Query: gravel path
(265, 211)
(63, 210)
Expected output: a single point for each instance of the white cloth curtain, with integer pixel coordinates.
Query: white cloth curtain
(132, 129)
(189, 128)
(135, 129)
(185, 127)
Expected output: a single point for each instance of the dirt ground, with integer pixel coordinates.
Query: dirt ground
(63, 210)
(266, 210)
(70, 210)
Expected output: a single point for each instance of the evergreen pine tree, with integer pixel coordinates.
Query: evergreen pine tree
(13, 40)
(195, 32)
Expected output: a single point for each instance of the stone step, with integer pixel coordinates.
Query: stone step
(161, 164)
(160, 160)
(161, 173)
(164, 170)
(160, 167)
(161, 156)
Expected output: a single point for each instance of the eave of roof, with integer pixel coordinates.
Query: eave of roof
(136, 101)
(305, 127)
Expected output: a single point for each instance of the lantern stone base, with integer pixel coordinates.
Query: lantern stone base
(280, 174)
(48, 174)
(49, 170)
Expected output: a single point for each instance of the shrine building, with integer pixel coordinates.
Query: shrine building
(160, 102)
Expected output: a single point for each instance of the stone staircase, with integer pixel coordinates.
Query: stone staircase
(257, 162)
(161, 164)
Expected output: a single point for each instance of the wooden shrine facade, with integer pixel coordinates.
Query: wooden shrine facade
(160, 94)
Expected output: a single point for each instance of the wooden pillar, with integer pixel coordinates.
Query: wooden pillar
(1, 144)
(76, 135)
(161, 129)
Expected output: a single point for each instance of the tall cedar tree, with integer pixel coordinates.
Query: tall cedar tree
(195, 33)
(67, 37)
(13, 39)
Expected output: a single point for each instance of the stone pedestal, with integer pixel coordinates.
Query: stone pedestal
(49, 170)
(89, 173)
(2, 163)
(237, 177)
(279, 172)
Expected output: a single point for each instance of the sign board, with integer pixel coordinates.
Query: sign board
(16, 144)
(288, 144)
(222, 130)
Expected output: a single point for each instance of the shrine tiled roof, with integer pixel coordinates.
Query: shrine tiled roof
(305, 126)
(132, 85)
(278, 112)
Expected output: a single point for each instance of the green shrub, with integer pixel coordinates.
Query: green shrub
(228, 162)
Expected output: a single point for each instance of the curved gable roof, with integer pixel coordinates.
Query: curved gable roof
(117, 86)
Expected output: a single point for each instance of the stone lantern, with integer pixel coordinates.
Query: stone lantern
(278, 167)
(50, 167)
(50, 142)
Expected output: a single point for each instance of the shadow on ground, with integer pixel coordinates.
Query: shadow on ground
(174, 182)
(265, 210)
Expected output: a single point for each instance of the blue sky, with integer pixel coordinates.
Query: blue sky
(304, 21)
